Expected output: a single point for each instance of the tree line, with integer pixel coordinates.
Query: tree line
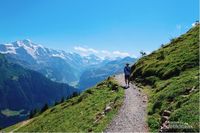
(35, 112)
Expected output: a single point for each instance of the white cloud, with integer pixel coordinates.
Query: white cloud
(82, 49)
(101, 53)
(93, 50)
(105, 52)
(121, 54)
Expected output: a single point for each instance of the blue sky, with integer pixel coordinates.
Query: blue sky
(126, 26)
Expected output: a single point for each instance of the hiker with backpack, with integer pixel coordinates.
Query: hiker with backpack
(127, 73)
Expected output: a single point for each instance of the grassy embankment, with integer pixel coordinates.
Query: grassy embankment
(82, 113)
(170, 76)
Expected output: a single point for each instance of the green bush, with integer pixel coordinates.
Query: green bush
(151, 80)
(175, 71)
(156, 106)
(161, 56)
(89, 91)
(153, 122)
(148, 72)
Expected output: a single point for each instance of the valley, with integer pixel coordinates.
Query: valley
(61, 66)
(22, 90)
(34, 75)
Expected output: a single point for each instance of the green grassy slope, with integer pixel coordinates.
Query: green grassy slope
(172, 74)
(22, 90)
(81, 113)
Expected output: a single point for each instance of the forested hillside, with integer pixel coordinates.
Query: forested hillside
(22, 90)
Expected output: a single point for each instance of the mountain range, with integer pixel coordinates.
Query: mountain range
(57, 65)
(97, 73)
(61, 66)
(34, 75)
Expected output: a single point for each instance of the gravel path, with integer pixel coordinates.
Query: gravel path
(132, 115)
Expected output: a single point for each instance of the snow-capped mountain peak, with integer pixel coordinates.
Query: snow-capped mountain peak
(7, 48)
(27, 49)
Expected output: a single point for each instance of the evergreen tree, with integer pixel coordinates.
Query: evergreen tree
(62, 100)
(44, 108)
(143, 53)
(75, 94)
(35, 111)
(56, 103)
(31, 114)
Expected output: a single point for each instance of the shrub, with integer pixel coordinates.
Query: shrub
(62, 100)
(116, 98)
(83, 96)
(171, 97)
(156, 105)
(143, 53)
(175, 71)
(153, 122)
(75, 94)
(89, 91)
(151, 80)
(148, 72)
(137, 72)
(162, 86)
(172, 40)
(56, 103)
(31, 114)
(161, 56)
(44, 108)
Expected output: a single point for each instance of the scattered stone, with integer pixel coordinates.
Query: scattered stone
(98, 115)
(111, 104)
(164, 118)
(184, 96)
(166, 123)
(193, 89)
(107, 109)
(144, 101)
(164, 129)
(189, 90)
(166, 113)
(165, 126)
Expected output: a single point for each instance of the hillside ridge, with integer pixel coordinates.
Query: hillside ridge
(29, 88)
(170, 76)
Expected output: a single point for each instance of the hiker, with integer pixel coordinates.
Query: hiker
(127, 73)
